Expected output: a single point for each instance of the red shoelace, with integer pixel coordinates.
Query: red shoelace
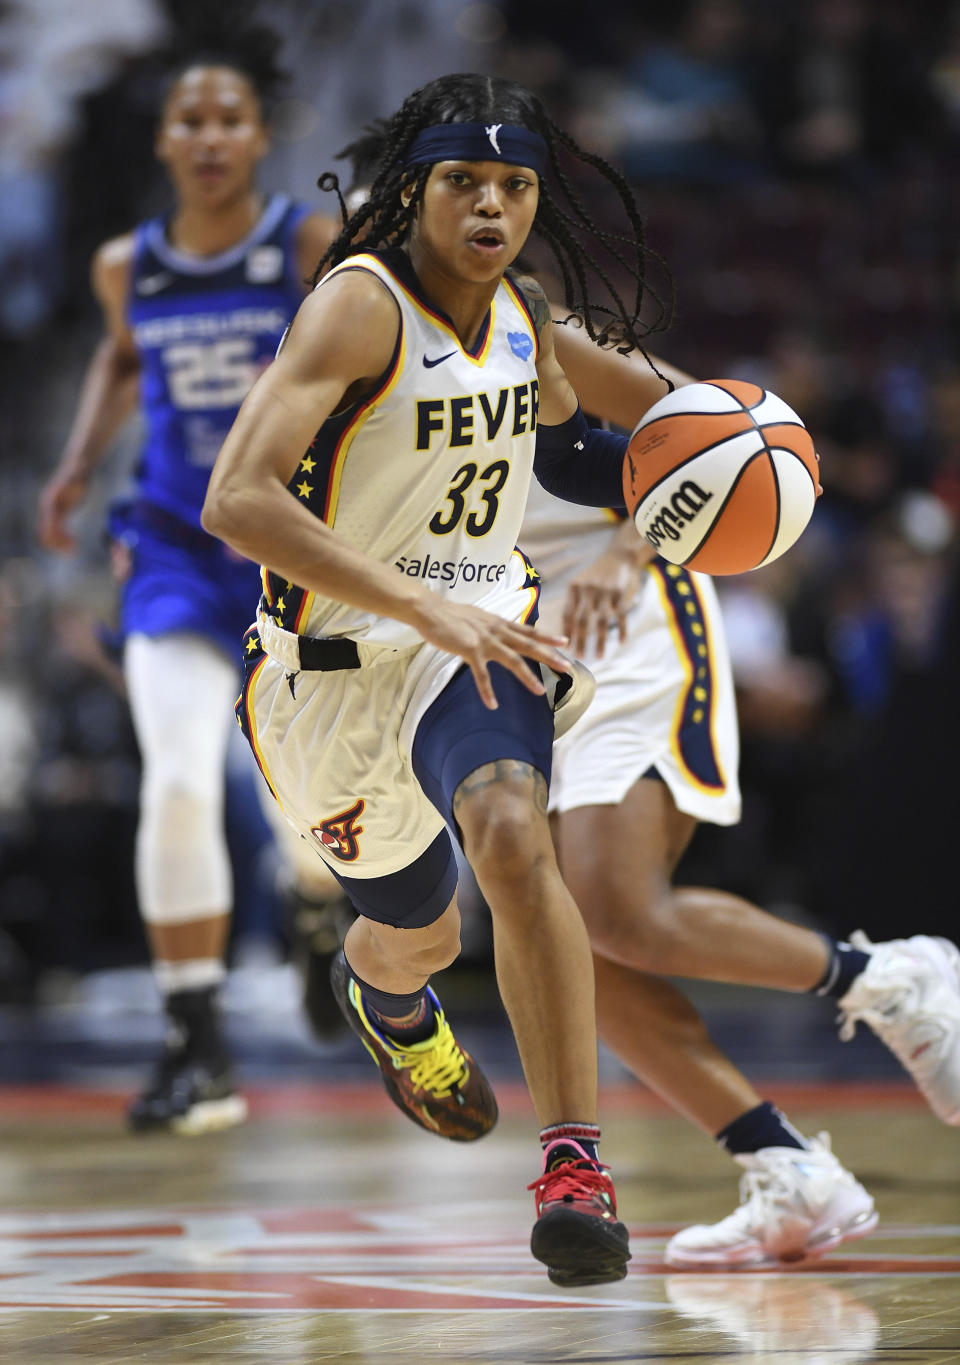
(580, 1180)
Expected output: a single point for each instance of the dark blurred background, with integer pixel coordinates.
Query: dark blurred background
(796, 163)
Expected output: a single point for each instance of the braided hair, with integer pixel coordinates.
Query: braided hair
(562, 221)
(210, 34)
(364, 154)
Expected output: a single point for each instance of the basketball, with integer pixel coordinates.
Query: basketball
(720, 476)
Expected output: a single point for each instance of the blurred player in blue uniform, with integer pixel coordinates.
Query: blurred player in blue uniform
(195, 303)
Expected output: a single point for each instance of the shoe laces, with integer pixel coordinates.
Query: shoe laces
(437, 1066)
(574, 1180)
(773, 1181)
(890, 1007)
(757, 1189)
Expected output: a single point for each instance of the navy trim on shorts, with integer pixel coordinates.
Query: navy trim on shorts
(458, 734)
(427, 885)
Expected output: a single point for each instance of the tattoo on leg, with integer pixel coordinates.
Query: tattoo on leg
(500, 771)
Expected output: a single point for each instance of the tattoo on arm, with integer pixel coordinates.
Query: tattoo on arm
(536, 301)
(503, 770)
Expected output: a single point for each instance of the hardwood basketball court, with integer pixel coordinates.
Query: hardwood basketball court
(330, 1229)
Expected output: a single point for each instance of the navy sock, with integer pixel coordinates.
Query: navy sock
(845, 965)
(417, 1030)
(763, 1126)
(383, 1007)
(585, 1135)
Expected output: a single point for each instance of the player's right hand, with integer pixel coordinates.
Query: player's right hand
(481, 638)
(60, 496)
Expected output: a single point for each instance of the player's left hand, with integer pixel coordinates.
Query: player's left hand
(599, 598)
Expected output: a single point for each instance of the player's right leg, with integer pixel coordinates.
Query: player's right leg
(798, 1200)
(181, 689)
(326, 743)
(379, 980)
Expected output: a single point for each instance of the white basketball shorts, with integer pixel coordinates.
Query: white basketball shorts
(336, 747)
(664, 700)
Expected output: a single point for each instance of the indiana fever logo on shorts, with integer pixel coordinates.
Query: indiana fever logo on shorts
(339, 833)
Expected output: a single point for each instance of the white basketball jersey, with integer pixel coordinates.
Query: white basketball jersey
(430, 472)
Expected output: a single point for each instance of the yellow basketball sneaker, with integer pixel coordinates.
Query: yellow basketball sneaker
(436, 1082)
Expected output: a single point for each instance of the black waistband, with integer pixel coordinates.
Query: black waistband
(327, 656)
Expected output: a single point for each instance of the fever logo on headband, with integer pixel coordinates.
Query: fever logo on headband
(491, 133)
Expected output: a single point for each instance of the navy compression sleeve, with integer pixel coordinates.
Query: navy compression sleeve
(580, 463)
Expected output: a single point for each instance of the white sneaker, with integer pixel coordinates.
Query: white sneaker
(909, 994)
(779, 1316)
(568, 693)
(796, 1204)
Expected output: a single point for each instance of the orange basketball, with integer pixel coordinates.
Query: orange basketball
(720, 476)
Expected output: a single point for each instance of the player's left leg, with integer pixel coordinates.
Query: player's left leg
(181, 689)
(489, 773)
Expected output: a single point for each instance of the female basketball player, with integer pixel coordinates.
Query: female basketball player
(194, 304)
(379, 470)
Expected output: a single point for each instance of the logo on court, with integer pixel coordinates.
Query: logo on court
(265, 1261)
(491, 133)
(338, 835)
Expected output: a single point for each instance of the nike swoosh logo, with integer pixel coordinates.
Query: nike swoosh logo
(429, 364)
(152, 284)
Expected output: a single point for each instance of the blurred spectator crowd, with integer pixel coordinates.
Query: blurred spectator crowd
(794, 162)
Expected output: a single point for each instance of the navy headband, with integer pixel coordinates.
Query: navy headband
(478, 142)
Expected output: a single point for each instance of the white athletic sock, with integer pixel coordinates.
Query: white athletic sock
(196, 974)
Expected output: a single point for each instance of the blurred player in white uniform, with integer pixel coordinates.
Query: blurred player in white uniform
(656, 752)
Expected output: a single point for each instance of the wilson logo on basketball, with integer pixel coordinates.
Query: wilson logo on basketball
(683, 507)
(339, 834)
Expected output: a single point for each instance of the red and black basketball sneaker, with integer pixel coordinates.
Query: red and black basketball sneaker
(577, 1235)
(436, 1082)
